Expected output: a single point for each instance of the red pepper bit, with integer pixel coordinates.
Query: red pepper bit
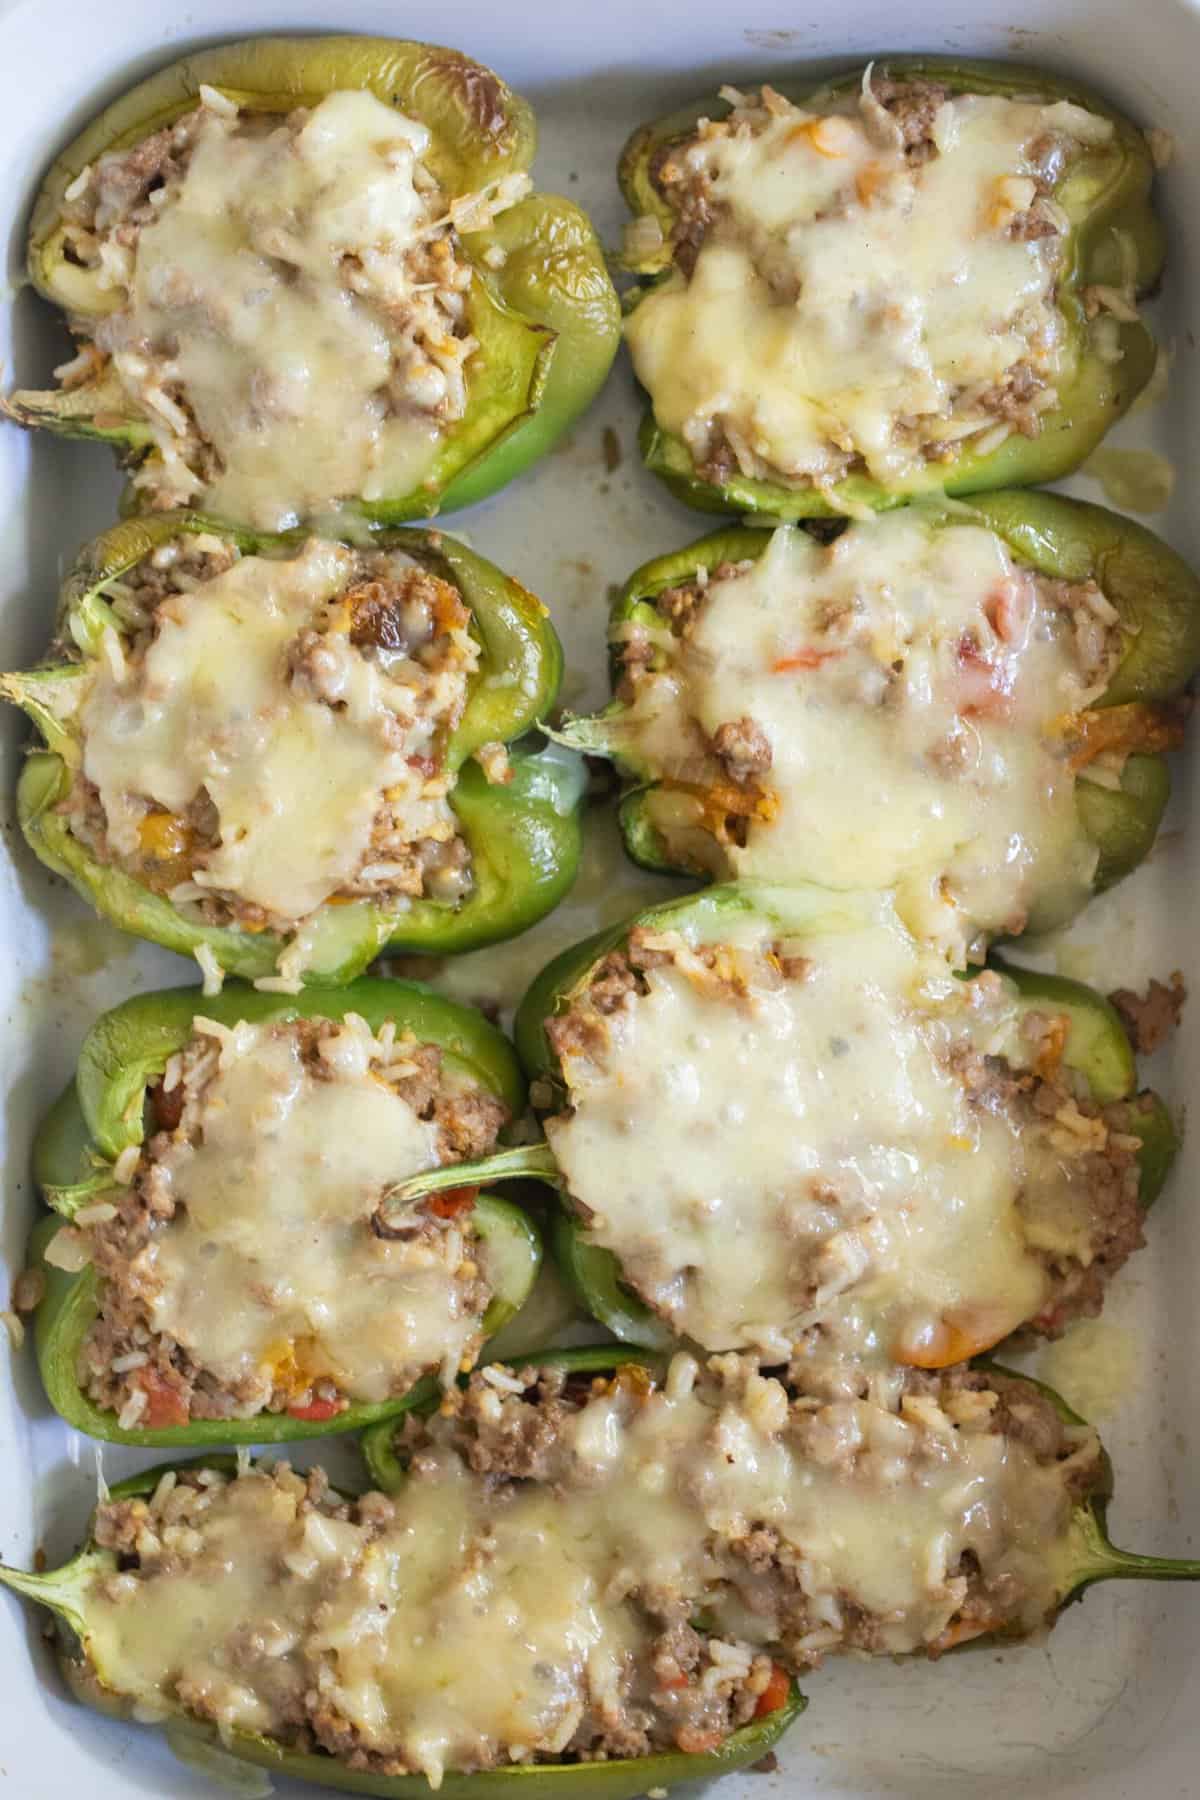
(451, 1202)
(164, 1404)
(317, 1411)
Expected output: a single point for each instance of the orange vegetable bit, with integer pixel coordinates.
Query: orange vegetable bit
(451, 1202)
(956, 1338)
(1128, 730)
(961, 1632)
(166, 838)
(832, 137)
(164, 1404)
(775, 1694)
(808, 658)
(317, 1412)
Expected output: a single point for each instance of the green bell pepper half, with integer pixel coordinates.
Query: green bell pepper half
(1096, 1046)
(64, 1593)
(1090, 1555)
(1105, 193)
(547, 318)
(103, 1111)
(524, 837)
(1155, 592)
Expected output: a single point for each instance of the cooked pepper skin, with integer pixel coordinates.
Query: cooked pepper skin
(103, 1111)
(1105, 194)
(1096, 1046)
(62, 1592)
(548, 317)
(1152, 588)
(524, 837)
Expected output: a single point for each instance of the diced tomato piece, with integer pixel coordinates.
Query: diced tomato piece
(317, 1411)
(164, 1404)
(984, 686)
(1007, 610)
(674, 1681)
(451, 1202)
(775, 1694)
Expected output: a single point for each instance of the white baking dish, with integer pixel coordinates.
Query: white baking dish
(1107, 1706)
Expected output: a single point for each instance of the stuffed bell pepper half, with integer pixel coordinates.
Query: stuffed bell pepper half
(309, 273)
(911, 1514)
(481, 1626)
(283, 754)
(965, 701)
(780, 1124)
(215, 1269)
(923, 277)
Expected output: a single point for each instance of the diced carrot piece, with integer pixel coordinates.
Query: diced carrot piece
(959, 1633)
(955, 1340)
(775, 1694)
(1131, 729)
(808, 658)
(871, 179)
(1050, 1050)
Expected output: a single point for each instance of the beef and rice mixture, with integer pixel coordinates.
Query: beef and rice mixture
(866, 289)
(839, 1146)
(285, 303)
(262, 734)
(243, 1265)
(577, 1571)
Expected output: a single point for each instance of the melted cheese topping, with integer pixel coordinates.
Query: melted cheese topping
(296, 778)
(271, 295)
(908, 680)
(806, 1154)
(481, 1619)
(269, 1273)
(843, 288)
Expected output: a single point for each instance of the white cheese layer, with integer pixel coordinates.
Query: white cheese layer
(908, 680)
(269, 1272)
(296, 780)
(270, 295)
(843, 288)
(805, 1154)
(479, 1623)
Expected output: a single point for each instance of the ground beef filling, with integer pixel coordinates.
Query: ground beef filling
(133, 1366)
(1081, 1173)
(1095, 1147)
(901, 119)
(414, 627)
(1153, 1017)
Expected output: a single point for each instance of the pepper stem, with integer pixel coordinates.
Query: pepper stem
(1097, 1559)
(59, 1590)
(595, 734)
(524, 1162)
